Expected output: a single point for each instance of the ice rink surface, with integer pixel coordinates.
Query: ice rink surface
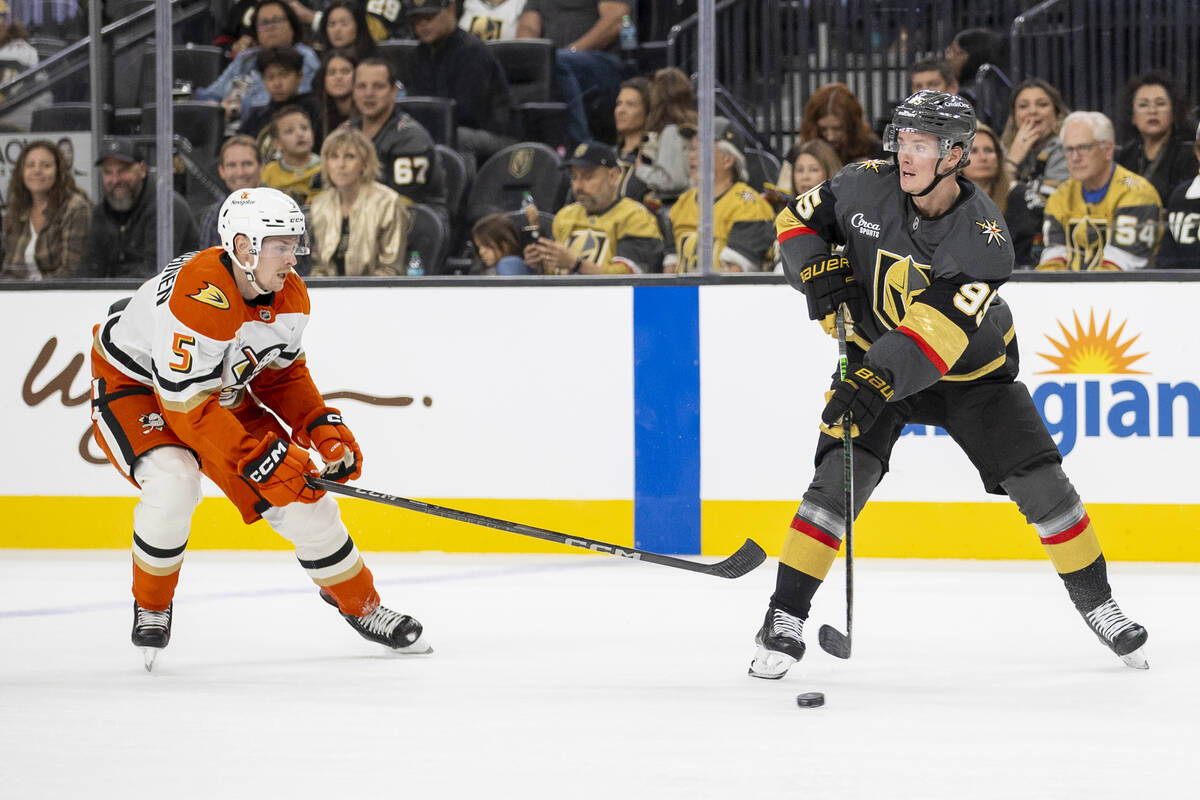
(590, 677)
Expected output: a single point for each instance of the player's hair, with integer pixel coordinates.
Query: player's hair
(1060, 107)
(239, 140)
(1101, 125)
(1179, 122)
(938, 65)
(376, 61)
(838, 100)
(287, 57)
(672, 99)
(996, 186)
(293, 20)
(20, 200)
(821, 151)
(364, 43)
(354, 139)
(500, 232)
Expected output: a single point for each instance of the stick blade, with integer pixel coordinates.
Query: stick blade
(745, 559)
(834, 642)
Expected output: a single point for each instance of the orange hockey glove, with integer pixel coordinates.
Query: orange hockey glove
(324, 431)
(278, 469)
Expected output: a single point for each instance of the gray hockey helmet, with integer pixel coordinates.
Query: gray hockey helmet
(947, 116)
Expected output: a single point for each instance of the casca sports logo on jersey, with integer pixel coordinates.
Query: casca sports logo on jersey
(1100, 383)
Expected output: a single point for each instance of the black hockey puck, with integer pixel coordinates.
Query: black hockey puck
(810, 700)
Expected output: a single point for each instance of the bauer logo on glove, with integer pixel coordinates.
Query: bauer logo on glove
(828, 283)
(864, 398)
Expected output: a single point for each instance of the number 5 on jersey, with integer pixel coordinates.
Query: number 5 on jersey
(180, 347)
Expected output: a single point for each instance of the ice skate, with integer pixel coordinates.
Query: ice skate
(1121, 634)
(780, 644)
(151, 632)
(389, 628)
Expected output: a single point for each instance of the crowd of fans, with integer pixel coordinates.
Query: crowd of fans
(310, 100)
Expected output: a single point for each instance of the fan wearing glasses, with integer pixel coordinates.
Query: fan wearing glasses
(1159, 148)
(1104, 217)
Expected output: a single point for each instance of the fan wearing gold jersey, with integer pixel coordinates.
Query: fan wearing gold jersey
(1104, 217)
(601, 232)
(743, 222)
(192, 376)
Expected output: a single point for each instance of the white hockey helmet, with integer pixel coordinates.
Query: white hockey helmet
(258, 213)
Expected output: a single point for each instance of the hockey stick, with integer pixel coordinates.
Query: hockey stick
(746, 558)
(831, 639)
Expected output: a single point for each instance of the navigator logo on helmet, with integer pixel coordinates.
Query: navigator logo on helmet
(256, 214)
(946, 116)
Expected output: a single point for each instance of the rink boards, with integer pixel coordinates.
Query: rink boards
(677, 418)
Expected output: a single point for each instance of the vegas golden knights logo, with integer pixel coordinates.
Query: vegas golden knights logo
(898, 279)
(486, 28)
(1088, 236)
(590, 245)
(520, 162)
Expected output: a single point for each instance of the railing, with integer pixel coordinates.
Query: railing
(1088, 49)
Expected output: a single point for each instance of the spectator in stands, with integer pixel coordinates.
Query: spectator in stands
(663, 159)
(46, 226)
(405, 149)
(359, 225)
(491, 19)
(385, 19)
(282, 71)
(334, 87)
(498, 242)
(454, 64)
(1034, 153)
(932, 73)
(122, 241)
(629, 118)
(585, 34)
(806, 165)
(1103, 217)
(968, 51)
(344, 25)
(1159, 151)
(834, 114)
(743, 222)
(296, 171)
(988, 168)
(601, 232)
(240, 87)
(16, 56)
(240, 167)
(1181, 240)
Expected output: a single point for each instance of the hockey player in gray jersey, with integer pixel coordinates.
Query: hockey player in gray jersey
(924, 257)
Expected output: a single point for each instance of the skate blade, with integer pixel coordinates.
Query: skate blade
(1137, 659)
(149, 654)
(770, 664)
(418, 648)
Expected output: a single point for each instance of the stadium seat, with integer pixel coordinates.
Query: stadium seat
(455, 177)
(763, 167)
(400, 53)
(67, 117)
(528, 66)
(198, 65)
(992, 89)
(436, 115)
(503, 179)
(429, 236)
(201, 123)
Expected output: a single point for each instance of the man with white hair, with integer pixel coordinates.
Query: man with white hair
(1103, 217)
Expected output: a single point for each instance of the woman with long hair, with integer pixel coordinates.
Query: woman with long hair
(1035, 114)
(344, 25)
(334, 86)
(630, 115)
(359, 225)
(1159, 148)
(987, 168)
(834, 114)
(806, 165)
(663, 160)
(47, 220)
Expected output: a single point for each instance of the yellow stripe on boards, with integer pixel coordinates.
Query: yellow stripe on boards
(107, 522)
(1142, 532)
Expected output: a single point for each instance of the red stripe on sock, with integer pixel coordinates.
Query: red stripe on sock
(791, 233)
(929, 352)
(1070, 533)
(808, 529)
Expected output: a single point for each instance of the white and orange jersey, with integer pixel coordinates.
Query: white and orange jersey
(190, 335)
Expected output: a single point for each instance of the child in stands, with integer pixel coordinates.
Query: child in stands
(296, 171)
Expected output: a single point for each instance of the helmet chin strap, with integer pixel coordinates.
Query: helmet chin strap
(248, 271)
(938, 177)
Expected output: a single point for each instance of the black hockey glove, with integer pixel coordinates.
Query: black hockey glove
(829, 282)
(864, 393)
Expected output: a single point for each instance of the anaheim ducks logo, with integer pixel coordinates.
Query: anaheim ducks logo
(898, 279)
(210, 295)
(152, 422)
(520, 162)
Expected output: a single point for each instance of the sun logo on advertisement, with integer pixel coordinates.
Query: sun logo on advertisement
(1092, 352)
